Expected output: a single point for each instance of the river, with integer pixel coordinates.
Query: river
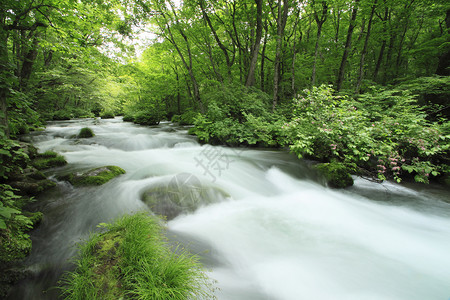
(263, 225)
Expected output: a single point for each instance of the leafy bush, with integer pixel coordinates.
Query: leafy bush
(107, 115)
(239, 116)
(86, 132)
(384, 132)
(128, 117)
(188, 118)
(132, 259)
(148, 117)
(62, 115)
(176, 119)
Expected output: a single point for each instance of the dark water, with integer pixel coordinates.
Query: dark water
(264, 227)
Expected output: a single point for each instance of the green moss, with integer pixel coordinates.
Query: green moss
(336, 174)
(14, 246)
(48, 159)
(132, 259)
(97, 176)
(86, 132)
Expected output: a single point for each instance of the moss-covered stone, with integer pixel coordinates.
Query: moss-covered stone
(48, 159)
(85, 132)
(182, 195)
(31, 187)
(97, 176)
(337, 175)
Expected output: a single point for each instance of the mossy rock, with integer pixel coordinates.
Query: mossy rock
(337, 175)
(85, 132)
(183, 194)
(48, 159)
(97, 176)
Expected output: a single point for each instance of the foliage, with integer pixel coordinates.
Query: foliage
(239, 116)
(15, 244)
(148, 117)
(336, 174)
(384, 132)
(86, 132)
(132, 258)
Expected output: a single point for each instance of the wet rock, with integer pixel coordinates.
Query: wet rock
(97, 176)
(48, 159)
(86, 132)
(184, 193)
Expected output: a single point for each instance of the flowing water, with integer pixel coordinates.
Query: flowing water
(263, 225)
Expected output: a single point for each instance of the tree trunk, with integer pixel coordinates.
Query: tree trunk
(281, 24)
(443, 67)
(28, 62)
(319, 22)
(364, 51)
(348, 44)
(255, 49)
(216, 37)
(5, 75)
(383, 45)
(263, 58)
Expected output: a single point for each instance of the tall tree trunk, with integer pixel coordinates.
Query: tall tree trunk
(255, 49)
(28, 62)
(443, 67)
(383, 45)
(263, 58)
(364, 51)
(216, 37)
(281, 24)
(319, 22)
(5, 75)
(348, 45)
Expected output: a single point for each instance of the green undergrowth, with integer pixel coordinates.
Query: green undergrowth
(132, 259)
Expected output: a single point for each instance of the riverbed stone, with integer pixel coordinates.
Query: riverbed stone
(48, 159)
(183, 194)
(337, 175)
(97, 176)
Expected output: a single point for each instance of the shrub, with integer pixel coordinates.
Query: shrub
(132, 259)
(187, 118)
(86, 132)
(61, 115)
(107, 115)
(128, 118)
(176, 119)
(384, 132)
(148, 117)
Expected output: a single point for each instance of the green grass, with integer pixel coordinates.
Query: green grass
(132, 259)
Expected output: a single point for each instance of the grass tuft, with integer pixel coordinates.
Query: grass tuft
(132, 259)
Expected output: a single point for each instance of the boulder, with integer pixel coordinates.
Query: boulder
(97, 176)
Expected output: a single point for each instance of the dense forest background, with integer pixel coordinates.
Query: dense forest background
(362, 84)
